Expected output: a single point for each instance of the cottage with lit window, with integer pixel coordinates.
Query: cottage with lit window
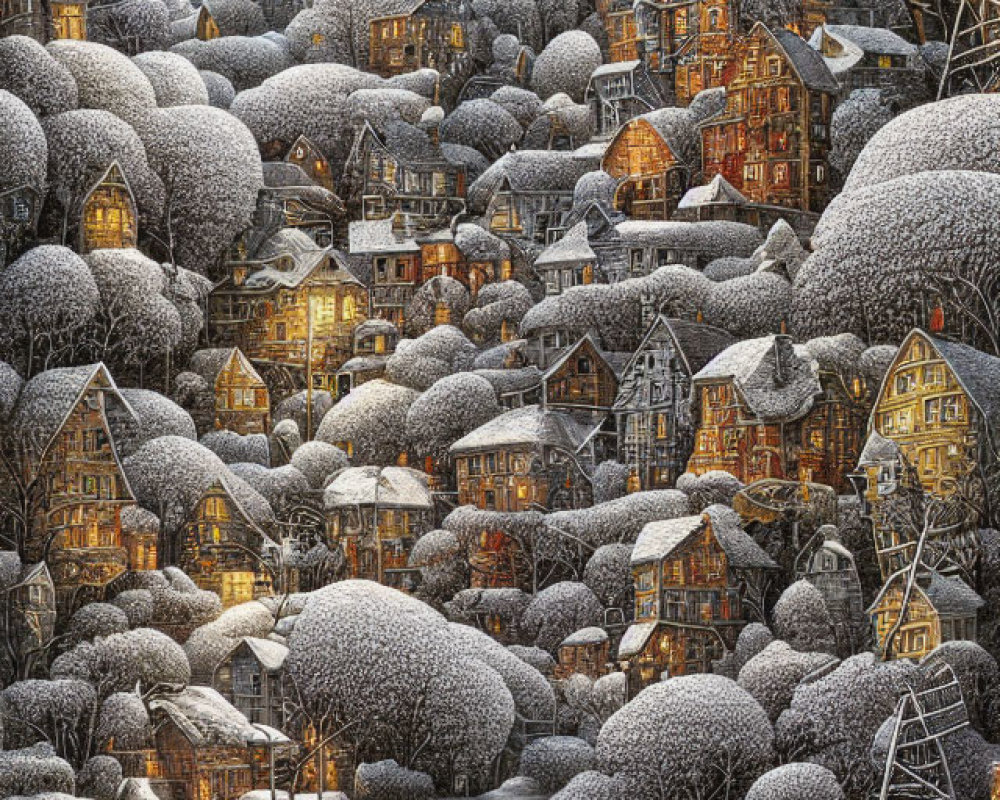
(698, 581)
(311, 160)
(108, 217)
(939, 609)
(400, 170)
(250, 677)
(441, 256)
(283, 299)
(207, 749)
(44, 21)
(619, 22)
(62, 426)
(653, 406)
(433, 34)
(223, 550)
(375, 515)
(241, 398)
(374, 341)
(395, 259)
(772, 140)
(585, 652)
(619, 92)
(767, 409)
(869, 58)
(568, 262)
(653, 157)
(933, 428)
(526, 192)
(29, 607)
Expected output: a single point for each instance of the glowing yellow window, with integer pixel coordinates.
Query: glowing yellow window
(349, 308)
(457, 35)
(884, 62)
(237, 587)
(317, 39)
(522, 492)
(380, 344)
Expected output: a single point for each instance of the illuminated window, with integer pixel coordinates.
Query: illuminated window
(349, 308)
(237, 587)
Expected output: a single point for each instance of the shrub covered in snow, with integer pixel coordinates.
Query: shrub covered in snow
(23, 150)
(130, 26)
(155, 415)
(753, 639)
(610, 481)
(772, 675)
(440, 557)
(420, 362)
(174, 79)
(317, 461)
(382, 104)
(386, 780)
(608, 574)
(100, 778)
(554, 760)
(219, 88)
(592, 785)
(234, 448)
(372, 420)
(294, 408)
(698, 733)
(619, 520)
(484, 125)
(440, 293)
(565, 65)
(452, 407)
(802, 619)
(210, 643)
(55, 711)
(34, 770)
(979, 677)
(95, 619)
(559, 610)
(795, 781)
(29, 72)
(854, 122)
(496, 304)
(105, 79)
(245, 61)
(124, 721)
(519, 17)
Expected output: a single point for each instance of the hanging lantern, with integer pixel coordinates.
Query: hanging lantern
(633, 485)
(699, 317)
(403, 459)
(937, 319)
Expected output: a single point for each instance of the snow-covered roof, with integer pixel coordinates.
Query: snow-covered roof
(374, 327)
(591, 151)
(362, 364)
(386, 487)
(722, 236)
(776, 379)
(529, 426)
(507, 381)
(635, 639)
(614, 361)
(573, 247)
(715, 192)
(677, 129)
(585, 636)
(878, 449)
(284, 174)
(377, 236)
(207, 719)
(270, 654)
(807, 62)
(950, 595)
(659, 539)
(977, 372)
(615, 68)
(208, 363)
(525, 171)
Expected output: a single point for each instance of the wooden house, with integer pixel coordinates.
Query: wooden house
(375, 516)
(653, 407)
(619, 22)
(286, 298)
(400, 171)
(441, 256)
(526, 192)
(933, 427)
(568, 262)
(29, 608)
(108, 217)
(68, 20)
(696, 579)
(585, 652)
(223, 550)
(433, 34)
(832, 570)
(765, 412)
(23, 18)
(140, 538)
(395, 267)
(869, 58)
(619, 92)
(19, 211)
(374, 341)
(250, 677)
(940, 609)
(304, 204)
(772, 140)
(62, 429)
(653, 157)
(311, 160)
(242, 403)
(206, 749)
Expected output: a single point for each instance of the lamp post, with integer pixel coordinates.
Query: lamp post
(270, 757)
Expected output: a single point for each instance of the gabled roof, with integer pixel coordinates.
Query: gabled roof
(718, 191)
(385, 487)
(525, 171)
(613, 364)
(615, 68)
(529, 426)
(877, 450)
(270, 654)
(585, 636)
(573, 248)
(206, 719)
(209, 363)
(776, 379)
(949, 595)
(377, 236)
(870, 40)
(635, 638)
(221, 484)
(807, 63)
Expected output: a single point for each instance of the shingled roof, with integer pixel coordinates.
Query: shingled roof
(807, 62)
(529, 426)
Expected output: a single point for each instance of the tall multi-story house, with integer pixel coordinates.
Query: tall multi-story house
(656, 425)
(620, 91)
(932, 430)
(284, 298)
(871, 58)
(239, 394)
(29, 608)
(697, 582)
(63, 440)
(395, 266)
(375, 515)
(400, 171)
(432, 34)
(224, 550)
(56, 19)
(619, 22)
(772, 140)
(374, 341)
(653, 157)
(766, 409)
(250, 677)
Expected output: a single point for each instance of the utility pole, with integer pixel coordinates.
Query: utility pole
(309, 372)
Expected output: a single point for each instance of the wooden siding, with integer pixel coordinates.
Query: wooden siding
(651, 179)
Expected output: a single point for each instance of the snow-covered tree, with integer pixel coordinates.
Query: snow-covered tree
(29, 72)
(772, 675)
(387, 780)
(795, 781)
(105, 79)
(93, 620)
(440, 557)
(452, 407)
(317, 461)
(483, 125)
(802, 619)
(100, 778)
(592, 785)
(131, 26)
(370, 422)
(419, 363)
(338, 30)
(219, 88)
(554, 760)
(35, 770)
(496, 304)
(565, 65)
(174, 79)
(124, 721)
(245, 61)
(559, 610)
(854, 122)
(608, 574)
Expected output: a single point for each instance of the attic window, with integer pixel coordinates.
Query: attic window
(773, 67)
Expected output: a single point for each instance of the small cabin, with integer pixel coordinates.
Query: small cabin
(832, 570)
(223, 549)
(568, 262)
(206, 28)
(311, 160)
(433, 35)
(241, 400)
(304, 204)
(249, 677)
(395, 263)
(374, 341)
(108, 219)
(31, 618)
(940, 609)
(618, 92)
(584, 378)
(868, 58)
(586, 652)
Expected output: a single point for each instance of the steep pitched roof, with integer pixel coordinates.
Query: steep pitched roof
(387, 487)
(377, 236)
(527, 426)
(950, 595)
(612, 361)
(574, 247)
(549, 171)
(718, 191)
(210, 362)
(206, 718)
(807, 62)
(269, 653)
(979, 374)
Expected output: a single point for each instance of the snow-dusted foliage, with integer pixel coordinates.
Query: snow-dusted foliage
(294, 408)
(419, 363)
(608, 574)
(131, 26)
(979, 675)
(23, 150)
(452, 407)
(610, 481)
(565, 65)
(559, 610)
(47, 298)
(220, 90)
(592, 785)
(385, 661)
(137, 605)
(697, 733)
(795, 781)
(174, 79)
(875, 248)
(505, 606)
(496, 304)
(105, 79)
(96, 619)
(317, 461)
(802, 619)
(29, 72)
(56, 711)
(854, 122)
(444, 571)
(519, 17)
(372, 419)
(575, 120)
(245, 61)
(35, 770)
(282, 487)
(438, 293)
(210, 643)
(119, 662)
(522, 104)
(386, 780)
(383, 104)
(234, 448)
(554, 760)
(155, 415)
(100, 778)
(970, 763)
(11, 384)
(338, 30)
(619, 520)
(753, 639)
(422, 81)
(954, 134)
(484, 125)
(184, 145)
(540, 659)
(772, 675)
(169, 474)
(831, 721)
(123, 719)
